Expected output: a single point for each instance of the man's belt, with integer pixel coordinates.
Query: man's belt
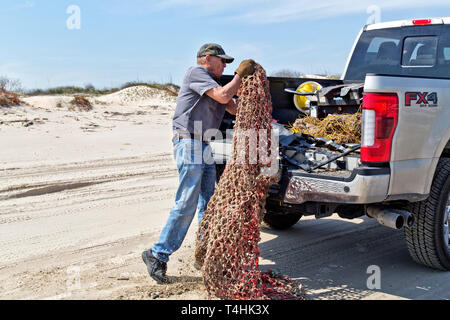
(177, 136)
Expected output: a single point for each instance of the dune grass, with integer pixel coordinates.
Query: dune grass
(90, 90)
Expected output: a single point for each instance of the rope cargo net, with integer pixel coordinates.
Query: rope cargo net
(229, 233)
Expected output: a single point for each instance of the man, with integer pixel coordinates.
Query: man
(201, 105)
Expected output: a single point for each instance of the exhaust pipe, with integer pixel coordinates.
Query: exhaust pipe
(407, 216)
(392, 218)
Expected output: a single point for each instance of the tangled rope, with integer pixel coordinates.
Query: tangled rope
(341, 128)
(228, 237)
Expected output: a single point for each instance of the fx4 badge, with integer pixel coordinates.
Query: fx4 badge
(423, 99)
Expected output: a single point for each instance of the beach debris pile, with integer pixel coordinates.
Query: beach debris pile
(9, 99)
(229, 233)
(341, 128)
(80, 103)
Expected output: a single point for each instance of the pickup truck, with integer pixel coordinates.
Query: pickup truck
(399, 72)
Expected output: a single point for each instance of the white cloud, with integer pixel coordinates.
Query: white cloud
(201, 8)
(306, 10)
(263, 12)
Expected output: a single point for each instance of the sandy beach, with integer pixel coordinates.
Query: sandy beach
(83, 193)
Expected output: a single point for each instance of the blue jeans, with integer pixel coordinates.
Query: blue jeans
(197, 175)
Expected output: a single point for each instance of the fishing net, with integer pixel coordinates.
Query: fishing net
(341, 128)
(228, 237)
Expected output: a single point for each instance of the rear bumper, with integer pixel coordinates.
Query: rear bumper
(365, 185)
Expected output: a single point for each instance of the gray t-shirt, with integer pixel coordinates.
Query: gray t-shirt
(194, 105)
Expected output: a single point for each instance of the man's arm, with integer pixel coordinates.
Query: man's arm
(224, 94)
(232, 107)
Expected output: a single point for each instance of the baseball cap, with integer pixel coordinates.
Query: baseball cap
(214, 49)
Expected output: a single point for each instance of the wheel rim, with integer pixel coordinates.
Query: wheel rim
(447, 224)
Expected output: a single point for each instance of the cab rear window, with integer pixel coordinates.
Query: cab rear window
(422, 51)
(419, 51)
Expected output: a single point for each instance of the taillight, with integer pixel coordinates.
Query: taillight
(380, 118)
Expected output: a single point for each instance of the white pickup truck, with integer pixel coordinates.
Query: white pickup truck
(400, 72)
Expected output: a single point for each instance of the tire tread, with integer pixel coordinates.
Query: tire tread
(421, 238)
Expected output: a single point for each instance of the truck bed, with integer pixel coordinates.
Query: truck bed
(285, 113)
(284, 110)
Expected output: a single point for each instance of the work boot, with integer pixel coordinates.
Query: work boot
(156, 268)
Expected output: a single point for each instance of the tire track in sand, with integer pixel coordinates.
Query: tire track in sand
(32, 192)
(49, 209)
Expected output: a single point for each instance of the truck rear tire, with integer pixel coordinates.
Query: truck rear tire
(281, 221)
(428, 240)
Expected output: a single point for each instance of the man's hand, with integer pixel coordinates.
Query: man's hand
(246, 68)
(232, 107)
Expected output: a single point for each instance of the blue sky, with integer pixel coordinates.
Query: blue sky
(157, 40)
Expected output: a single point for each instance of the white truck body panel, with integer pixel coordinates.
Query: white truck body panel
(403, 23)
(422, 132)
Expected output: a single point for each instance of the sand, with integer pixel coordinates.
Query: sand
(82, 194)
(86, 191)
